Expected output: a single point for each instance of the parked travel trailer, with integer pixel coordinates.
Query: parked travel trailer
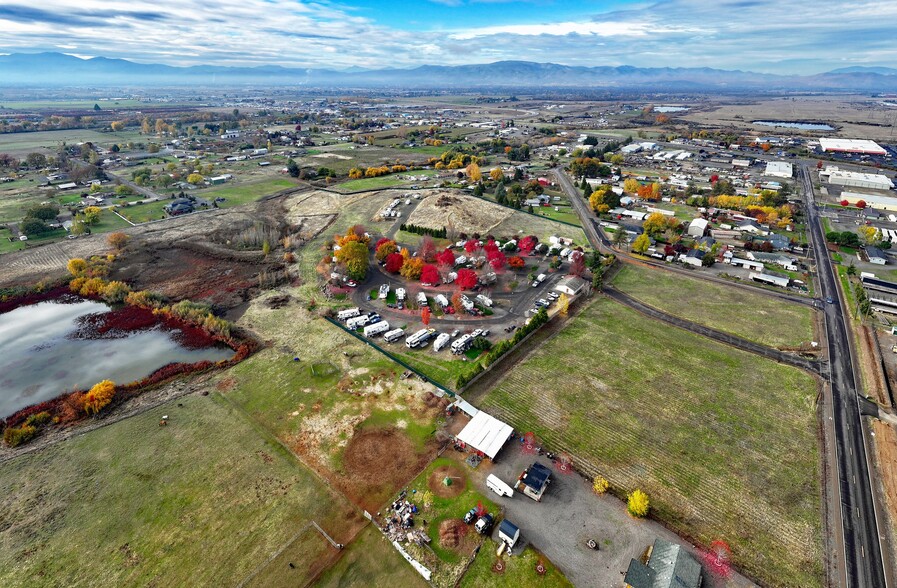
(376, 329)
(495, 484)
(345, 315)
(441, 341)
(393, 335)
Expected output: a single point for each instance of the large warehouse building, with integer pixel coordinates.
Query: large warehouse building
(879, 202)
(779, 169)
(841, 177)
(852, 146)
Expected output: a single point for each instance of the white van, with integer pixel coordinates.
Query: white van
(499, 487)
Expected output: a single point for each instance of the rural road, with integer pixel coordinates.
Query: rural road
(863, 554)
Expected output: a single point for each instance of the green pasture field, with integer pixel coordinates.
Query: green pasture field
(203, 501)
(758, 318)
(723, 441)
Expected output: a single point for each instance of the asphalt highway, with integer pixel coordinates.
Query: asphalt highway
(863, 556)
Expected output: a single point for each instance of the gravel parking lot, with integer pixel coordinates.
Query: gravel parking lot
(569, 514)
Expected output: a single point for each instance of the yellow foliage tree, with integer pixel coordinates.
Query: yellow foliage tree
(356, 173)
(563, 304)
(631, 186)
(412, 268)
(641, 243)
(496, 174)
(98, 397)
(600, 485)
(637, 503)
(195, 179)
(474, 173)
(76, 266)
(117, 125)
(655, 224)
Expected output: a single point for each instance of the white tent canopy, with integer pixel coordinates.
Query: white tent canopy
(486, 433)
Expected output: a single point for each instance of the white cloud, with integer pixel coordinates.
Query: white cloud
(764, 35)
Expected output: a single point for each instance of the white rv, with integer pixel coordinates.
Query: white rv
(441, 341)
(376, 329)
(393, 335)
(345, 315)
(484, 300)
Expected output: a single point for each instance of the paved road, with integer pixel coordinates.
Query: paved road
(768, 352)
(601, 243)
(863, 554)
(569, 514)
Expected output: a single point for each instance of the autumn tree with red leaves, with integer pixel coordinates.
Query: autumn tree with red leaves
(427, 249)
(429, 274)
(466, 279)
(446, 258)
(577, 263)
(425, 315)
(394, 262)
(471, 246)
(516, 262)
(526, 245)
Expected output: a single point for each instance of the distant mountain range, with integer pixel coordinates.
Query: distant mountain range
(59, 69)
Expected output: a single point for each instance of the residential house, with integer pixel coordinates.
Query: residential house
(876, 255)
(698, 227)
(668, 566)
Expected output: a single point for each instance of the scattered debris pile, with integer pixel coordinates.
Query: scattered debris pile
(400, 522)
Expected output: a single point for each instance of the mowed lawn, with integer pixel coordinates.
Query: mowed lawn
(759, 318)
(203, 501)
(723, 441)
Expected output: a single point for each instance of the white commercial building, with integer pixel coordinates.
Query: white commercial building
(875, 201)
(697, 227)
(863, 146)
(779, 169)
(842, 177)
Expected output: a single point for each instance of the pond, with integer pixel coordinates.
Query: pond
(53, 347)
(804, 126)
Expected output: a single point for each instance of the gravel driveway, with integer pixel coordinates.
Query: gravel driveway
(569, 514)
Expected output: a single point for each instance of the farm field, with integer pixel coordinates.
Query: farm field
(756, 317)
(724, 442)
(433, 366)
(6, 245)
(341, 406)
(19, 144)
(236, 195)
(203, 501)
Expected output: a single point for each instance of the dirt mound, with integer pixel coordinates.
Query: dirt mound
(458, 212)
(377, 462)
(452, 533)
(436, 481)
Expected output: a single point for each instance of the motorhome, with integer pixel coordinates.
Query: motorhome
(345, 315)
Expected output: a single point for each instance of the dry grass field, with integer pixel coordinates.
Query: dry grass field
(755, 317)
(724, 442)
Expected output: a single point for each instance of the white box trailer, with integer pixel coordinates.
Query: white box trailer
(421, 298)
(400, 294)
(383, 292)
(358, 321)
(498, 486)
(376, 329)
(442, 301)
(466, 302)
(441, 341)
(393, 335)
(345, 315)
(484, 300)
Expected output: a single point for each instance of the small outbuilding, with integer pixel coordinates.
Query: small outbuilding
(876, 256)
(571, 285)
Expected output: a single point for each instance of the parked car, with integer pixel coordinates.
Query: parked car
(484, 524)
(471, 516)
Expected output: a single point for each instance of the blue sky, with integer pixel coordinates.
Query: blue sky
(776, 36)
